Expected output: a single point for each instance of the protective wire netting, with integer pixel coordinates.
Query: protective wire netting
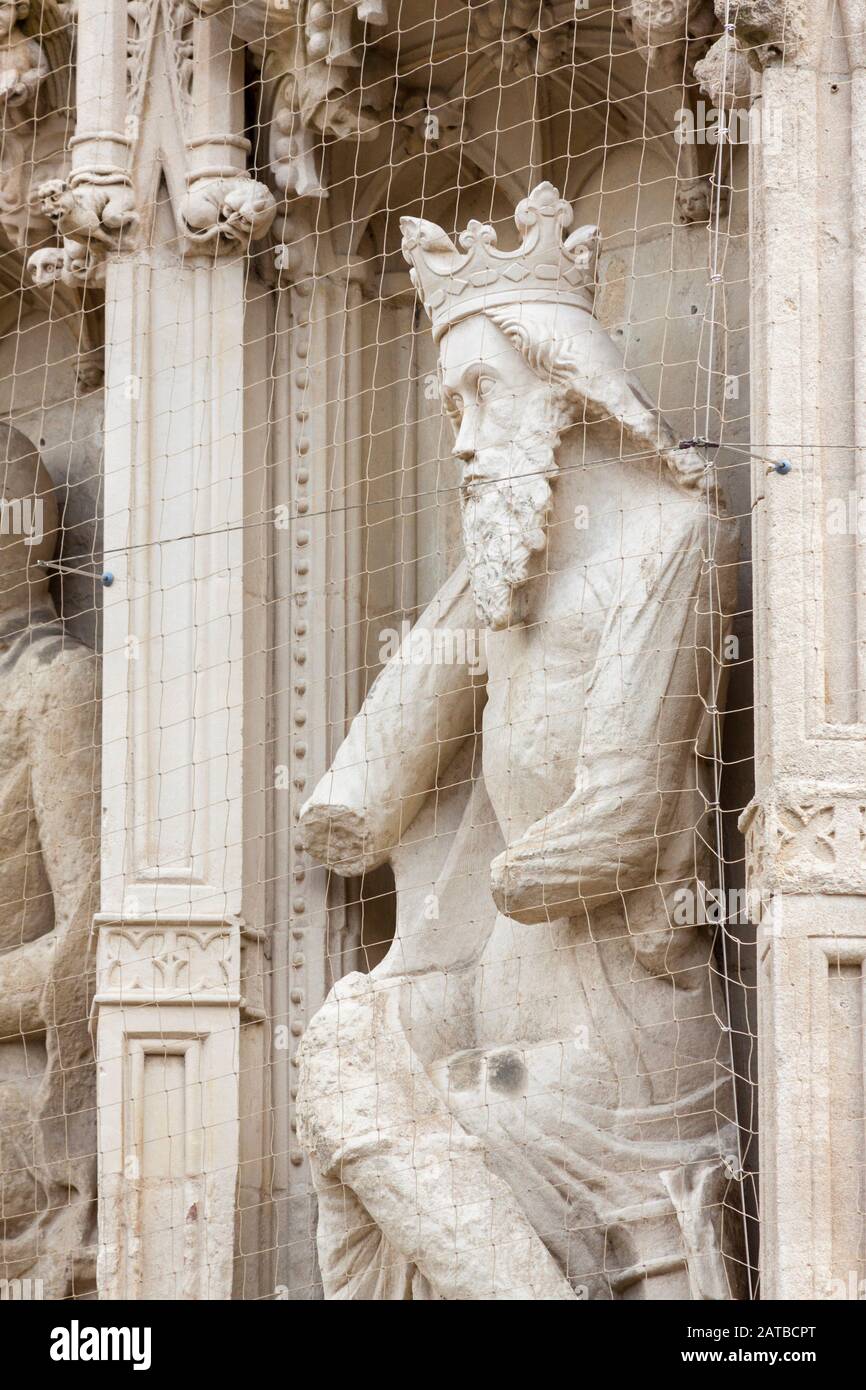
(255, 477)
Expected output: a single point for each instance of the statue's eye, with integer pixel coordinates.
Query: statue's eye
(485, 387)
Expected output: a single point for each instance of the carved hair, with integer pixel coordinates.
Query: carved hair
(560, 359)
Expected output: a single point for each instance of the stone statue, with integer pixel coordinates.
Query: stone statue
(530, 1097)
(49, 837)
(23, 65)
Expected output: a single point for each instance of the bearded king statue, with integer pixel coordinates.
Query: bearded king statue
(530, 1097)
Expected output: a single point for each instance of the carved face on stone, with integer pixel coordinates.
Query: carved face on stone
(506, 419)
(659, 21)
(51, 200)
(10, 15)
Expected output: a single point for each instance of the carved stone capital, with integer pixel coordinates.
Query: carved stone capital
(806, 840)
(168, 962)
(224, 213)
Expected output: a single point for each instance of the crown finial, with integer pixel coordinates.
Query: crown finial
(456, 282)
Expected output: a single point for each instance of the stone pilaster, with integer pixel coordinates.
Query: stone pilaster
(176, 908)
(806, 828)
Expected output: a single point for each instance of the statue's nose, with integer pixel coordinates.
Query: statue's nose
(463, 452)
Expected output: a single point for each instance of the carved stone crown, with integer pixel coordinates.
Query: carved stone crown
(544, 268)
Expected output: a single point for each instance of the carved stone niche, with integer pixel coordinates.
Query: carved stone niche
(478, 1109)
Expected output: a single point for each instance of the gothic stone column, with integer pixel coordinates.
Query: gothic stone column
(174, 906)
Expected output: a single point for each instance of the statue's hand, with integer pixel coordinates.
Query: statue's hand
(526, 879)
(555, 867)
(517, 893)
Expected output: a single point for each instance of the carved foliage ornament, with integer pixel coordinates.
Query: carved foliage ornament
(522, 37)
(171, 962)
(328, 79)
(807, 844)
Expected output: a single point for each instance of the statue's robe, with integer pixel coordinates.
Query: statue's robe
(460, 1147)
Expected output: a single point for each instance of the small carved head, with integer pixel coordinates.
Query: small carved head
(46, 265)
(12, 12)
(51, 195)
(248, 209)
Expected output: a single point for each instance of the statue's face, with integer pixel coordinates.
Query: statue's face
(506, 441)
(487, 387)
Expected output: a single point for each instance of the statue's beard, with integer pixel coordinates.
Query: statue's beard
(505, 513)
